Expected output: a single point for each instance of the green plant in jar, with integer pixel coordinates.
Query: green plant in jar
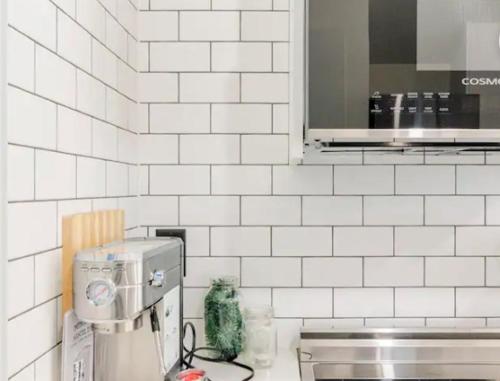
(223, 318)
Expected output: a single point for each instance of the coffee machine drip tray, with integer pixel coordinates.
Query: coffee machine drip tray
(399, 354)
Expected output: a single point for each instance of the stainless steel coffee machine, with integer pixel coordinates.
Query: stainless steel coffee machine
(130, 292)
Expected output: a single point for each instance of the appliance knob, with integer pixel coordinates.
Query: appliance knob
(158, 278)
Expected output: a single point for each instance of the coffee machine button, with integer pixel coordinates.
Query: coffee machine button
(106, 270)
(95, 269)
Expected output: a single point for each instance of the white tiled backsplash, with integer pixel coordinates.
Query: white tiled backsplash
(375, 240)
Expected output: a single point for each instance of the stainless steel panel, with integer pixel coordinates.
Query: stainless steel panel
(420, 354)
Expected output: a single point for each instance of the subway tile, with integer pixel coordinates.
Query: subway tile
(91, 95)
(158, 87)
(362, 241)
(142, 119)
(241, 180)
(178, 179)
(36, 19)
(425, 179)
(256, 296)
(478, 302)
(179, 118)
(55, 175)
(127, 147)
(242, 4)
(209, 26)
(241, 118)
(200, 270)
(158, 149)
(280, 119)
(392, 158)
(425, 302)
(104, 140)
(264, 149)
(158, 26)
(332, 272)
(426, 241)
(473, 179)
(492, 210)
(127, 15)
(454, 210)
(92, 15)
(492, 271)
(180, 4)
(159, 210)
(20, 60)
(111, 6)
(27, 374)
(362, 302)
(484, 241)
(117, 108)
(455, 158)
(20, 293)
(68, 6)
(35, 327)
(393, 210)
(91, 177)
(116, 37)
(209, 149)
(271, 272)
(209, 87)
(194, 302)
(128, 84)
(240, 241)
(48, 277)
(361, 180)
(55, 78)
(47, 367)
(281, 56)
(301, 180)
(179, 56)
(73, 42)
(264, 26)
(456, 322)
(302, 241)
(264, 87)
(302, 302)
(20, 173)
(393, 272)
(74, 132)
(270, 210)
(288, 333)
(116, 179)
(281, 5)
(327, 210)
(241, 56)
(334, 323)
(31, 120)
(130, 206)
(395, 323)
(209, 210)
(454, 272)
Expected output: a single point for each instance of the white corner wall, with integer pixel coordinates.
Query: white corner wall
(72, 148)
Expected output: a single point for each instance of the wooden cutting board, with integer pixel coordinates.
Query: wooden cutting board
(83, 231)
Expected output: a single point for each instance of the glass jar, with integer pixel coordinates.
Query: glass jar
(261, 336)
(224, 328)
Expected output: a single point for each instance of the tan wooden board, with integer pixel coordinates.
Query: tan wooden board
(83, 231)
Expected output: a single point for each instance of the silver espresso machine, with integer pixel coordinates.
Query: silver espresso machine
(131, 293)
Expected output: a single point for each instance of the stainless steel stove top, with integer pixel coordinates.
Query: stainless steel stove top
(400, 354)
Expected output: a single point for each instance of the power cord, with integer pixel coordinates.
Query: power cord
(192, 354)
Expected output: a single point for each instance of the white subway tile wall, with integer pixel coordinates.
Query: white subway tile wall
(374, 240)
(72, 142)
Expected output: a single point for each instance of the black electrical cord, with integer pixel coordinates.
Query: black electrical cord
(192, 354)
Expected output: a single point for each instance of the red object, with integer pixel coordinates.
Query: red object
(191, 375)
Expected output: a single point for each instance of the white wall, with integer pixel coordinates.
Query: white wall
(370, 241)
(3, 199)
(72, 148)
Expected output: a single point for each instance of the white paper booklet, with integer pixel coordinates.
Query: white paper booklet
(77, 349)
